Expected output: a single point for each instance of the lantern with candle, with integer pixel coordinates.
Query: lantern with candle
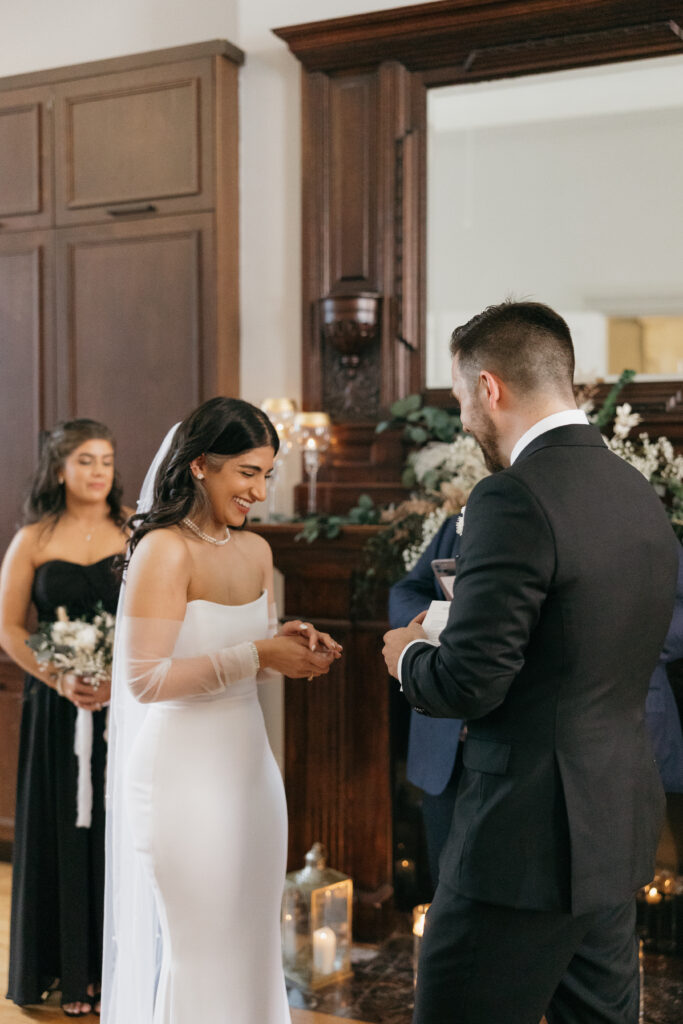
(316, 923)
(314, 434)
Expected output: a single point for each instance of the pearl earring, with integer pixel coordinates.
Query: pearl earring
(200, 476)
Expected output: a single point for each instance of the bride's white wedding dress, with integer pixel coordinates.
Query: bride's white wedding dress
(207, 811)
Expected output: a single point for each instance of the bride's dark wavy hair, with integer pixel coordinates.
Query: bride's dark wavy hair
(219, 429)
(46, 499)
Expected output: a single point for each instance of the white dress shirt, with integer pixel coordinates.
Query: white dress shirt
(556, 419)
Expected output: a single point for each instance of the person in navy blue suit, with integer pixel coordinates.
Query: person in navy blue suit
(433, 743)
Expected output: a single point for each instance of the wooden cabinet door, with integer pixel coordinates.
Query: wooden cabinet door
(27, 371)
(135, 142)
(136, 329)
(27, 404)
(25, 159)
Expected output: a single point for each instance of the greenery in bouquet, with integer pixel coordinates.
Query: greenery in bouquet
(83, 646)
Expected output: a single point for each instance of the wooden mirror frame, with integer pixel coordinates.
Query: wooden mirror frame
(364, 86)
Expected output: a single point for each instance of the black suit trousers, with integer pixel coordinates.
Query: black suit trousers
(487, 964)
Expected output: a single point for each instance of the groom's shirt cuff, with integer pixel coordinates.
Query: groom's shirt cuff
(400, 660)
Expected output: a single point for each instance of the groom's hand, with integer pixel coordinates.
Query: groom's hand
(397, 639)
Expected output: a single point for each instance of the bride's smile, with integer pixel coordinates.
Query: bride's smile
(233, 484)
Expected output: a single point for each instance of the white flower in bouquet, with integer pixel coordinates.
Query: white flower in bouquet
(460, 461)
(624, 421)
(81, 646)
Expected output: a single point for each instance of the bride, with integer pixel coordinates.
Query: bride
(197, 826)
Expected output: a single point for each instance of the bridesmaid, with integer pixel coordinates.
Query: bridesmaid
(62, 556)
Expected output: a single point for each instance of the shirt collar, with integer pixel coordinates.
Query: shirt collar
(557, 419)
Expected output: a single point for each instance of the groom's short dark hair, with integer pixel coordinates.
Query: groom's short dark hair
(527, 344)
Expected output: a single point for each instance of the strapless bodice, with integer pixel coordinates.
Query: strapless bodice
(76, 587)
(208, 626)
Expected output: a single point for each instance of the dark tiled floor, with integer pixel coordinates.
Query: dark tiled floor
(381, 991)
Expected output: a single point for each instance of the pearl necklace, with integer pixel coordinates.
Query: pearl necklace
(205, 536)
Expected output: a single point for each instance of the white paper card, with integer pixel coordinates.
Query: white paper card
(435, 620)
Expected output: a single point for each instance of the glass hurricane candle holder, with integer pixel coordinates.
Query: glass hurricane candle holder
(316, 923)
(281, 412)
(313, 432)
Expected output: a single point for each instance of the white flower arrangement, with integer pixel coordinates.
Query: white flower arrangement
(656, 460)
(459, 462)
(449, 471)
(81, 646)
(430, 527)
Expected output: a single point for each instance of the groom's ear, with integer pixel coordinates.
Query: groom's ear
(491, 388)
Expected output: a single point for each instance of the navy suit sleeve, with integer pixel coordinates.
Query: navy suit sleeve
(414, 593)
(506, 565)
(673, 644)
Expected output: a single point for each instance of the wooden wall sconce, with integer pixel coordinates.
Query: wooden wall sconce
(350, 329)
(351, 324)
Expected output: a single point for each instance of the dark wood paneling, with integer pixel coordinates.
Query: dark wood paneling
(135, 329)
(148, 59)
(27, 377)
(479, 36)
(10, 718)
(25, 160)
(353, 181)
(337, 738)
(27, 380)
(155, 155)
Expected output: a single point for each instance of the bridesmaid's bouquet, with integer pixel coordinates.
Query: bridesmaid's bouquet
(82, 646)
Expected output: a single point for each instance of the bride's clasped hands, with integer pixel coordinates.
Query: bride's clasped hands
(299, 651)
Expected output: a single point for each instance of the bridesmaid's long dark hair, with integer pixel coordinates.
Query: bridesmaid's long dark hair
(220, 428)
(46, 500)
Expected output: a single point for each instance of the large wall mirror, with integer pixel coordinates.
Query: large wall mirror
(565, 188)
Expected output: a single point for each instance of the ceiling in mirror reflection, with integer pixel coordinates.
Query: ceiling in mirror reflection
(563, 188)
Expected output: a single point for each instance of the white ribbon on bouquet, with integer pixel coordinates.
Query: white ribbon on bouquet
(83, 737)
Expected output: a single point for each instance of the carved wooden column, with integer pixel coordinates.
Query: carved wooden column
(337, 737)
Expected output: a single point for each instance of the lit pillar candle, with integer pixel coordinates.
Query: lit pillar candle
(324, 950)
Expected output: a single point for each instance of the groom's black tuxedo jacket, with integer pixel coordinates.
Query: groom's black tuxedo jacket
(564, 593)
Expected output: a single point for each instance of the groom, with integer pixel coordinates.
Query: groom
(564, 593)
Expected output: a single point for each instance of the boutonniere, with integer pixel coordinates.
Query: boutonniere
(461, 521)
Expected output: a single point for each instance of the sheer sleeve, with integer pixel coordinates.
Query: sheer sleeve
(153, 674)
(270, 675)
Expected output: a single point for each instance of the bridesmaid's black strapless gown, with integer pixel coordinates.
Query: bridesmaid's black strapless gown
(58, 869)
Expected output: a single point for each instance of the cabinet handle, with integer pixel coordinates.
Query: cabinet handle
(126, 211)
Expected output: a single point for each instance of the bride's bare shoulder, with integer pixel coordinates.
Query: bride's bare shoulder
(257, 546)
(166, 545)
